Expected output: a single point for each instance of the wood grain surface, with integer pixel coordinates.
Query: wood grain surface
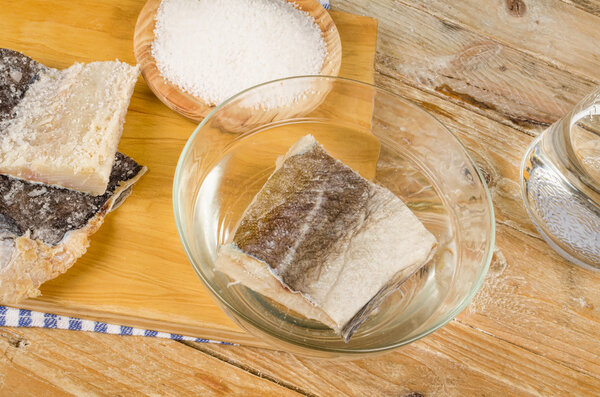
(75, 363)
(196, 108)
(496, 73)
(135, 271)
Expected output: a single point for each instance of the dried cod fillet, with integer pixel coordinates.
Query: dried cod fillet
(325, 242)
(45, 229)
(62, 127)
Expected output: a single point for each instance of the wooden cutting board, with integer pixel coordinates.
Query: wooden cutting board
(135, 272)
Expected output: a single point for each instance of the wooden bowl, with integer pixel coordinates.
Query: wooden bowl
(196, 108)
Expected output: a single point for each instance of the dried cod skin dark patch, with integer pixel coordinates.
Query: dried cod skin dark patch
(313, 202)
(49, 212)
(17, 73)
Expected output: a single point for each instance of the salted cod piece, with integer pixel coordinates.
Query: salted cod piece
(45, 229)
(325, 242)
(62, 127)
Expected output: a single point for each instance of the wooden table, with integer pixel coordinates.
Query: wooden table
(496, 73)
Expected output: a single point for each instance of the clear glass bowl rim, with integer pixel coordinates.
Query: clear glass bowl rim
(449, 317)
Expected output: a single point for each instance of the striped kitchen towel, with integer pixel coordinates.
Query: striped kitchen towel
(11, 317)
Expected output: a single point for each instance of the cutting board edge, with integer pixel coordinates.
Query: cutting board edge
(212, 330)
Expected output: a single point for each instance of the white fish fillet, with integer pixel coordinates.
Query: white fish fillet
(325, 242)
(66, 128)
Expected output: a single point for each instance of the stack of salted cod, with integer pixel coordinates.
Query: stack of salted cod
(325, 242)
(59, 131)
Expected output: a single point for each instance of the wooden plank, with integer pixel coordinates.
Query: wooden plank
(457, 360)
(552, 30)
(547, 327)
(36, 362)
(591, 6)
(135, 271)
(553, 306)
(477, 72)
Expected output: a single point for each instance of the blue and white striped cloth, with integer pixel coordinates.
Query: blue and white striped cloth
(11, 317)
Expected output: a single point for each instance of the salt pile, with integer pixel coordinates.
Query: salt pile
(214, 49)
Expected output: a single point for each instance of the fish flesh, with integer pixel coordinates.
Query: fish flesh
(62, 127)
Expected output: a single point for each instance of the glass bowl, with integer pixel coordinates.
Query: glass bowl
(386, 138)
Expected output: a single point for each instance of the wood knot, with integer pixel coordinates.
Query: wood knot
(487, 175)
(14, 340)
(450, 26)
(450, 92)
(498, 263)
(516, 8)
(414, 394)
(19, 343)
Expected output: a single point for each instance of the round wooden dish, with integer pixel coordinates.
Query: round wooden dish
(194, 107)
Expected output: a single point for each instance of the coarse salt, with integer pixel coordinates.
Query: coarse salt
(214, 49)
